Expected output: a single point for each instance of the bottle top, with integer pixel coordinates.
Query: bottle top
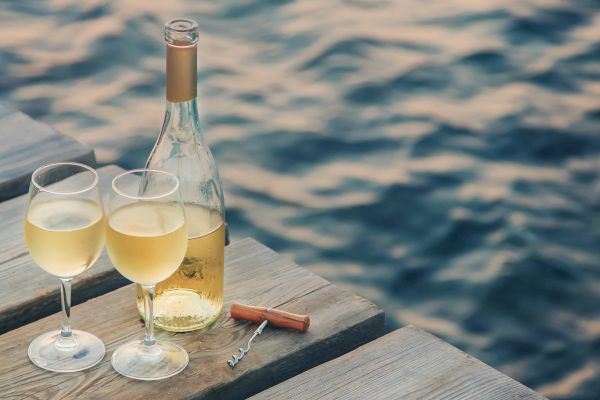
(181, 32)
(181, 35)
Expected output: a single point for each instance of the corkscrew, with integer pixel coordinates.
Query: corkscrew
(264, 316)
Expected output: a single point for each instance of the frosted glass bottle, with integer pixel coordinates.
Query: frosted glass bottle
(192, 298)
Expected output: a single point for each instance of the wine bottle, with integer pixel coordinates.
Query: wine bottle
(191, 298)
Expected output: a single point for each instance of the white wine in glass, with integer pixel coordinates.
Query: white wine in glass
(62, 235)
(146, 242)
(144, 239)
(64, 232)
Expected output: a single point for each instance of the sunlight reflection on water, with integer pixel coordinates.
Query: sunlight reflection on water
(438, 158)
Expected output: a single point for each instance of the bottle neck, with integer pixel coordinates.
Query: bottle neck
(181, 73)
(182, 123)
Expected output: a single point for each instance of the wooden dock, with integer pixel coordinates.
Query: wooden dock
(28, 144)
(341, 356)
(408, 363)
(254, 274)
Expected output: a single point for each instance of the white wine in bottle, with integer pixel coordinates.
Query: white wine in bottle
(191, 298)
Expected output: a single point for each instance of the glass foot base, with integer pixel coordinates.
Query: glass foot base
(52, 352)
(162, 361)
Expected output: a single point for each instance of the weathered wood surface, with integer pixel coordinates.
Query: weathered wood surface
(27, 144)
(254, 275)
(28, 293)
(406, 364)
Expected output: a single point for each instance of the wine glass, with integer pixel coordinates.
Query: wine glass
(146, 241)
(64, 232)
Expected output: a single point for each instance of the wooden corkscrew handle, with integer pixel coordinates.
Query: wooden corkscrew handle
(275, 317)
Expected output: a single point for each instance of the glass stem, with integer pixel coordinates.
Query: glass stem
(149, 340)
(66, 339)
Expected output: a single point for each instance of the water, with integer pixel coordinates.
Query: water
(440, 158)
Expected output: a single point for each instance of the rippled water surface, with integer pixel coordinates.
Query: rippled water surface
(440, 158)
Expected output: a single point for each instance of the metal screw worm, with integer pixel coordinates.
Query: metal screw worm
(236, 359)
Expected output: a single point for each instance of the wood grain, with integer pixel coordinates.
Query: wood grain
(254, 274)
(27, 293)
(28, 144)
(408, 363)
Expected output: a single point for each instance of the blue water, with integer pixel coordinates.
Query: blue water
(441, 158)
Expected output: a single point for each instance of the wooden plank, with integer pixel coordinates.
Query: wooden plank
(408, 363)
(254, 275)
(27, 293)
(27, 144)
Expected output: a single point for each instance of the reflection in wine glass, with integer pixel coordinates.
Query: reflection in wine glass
(146, 241)
(64, 232)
